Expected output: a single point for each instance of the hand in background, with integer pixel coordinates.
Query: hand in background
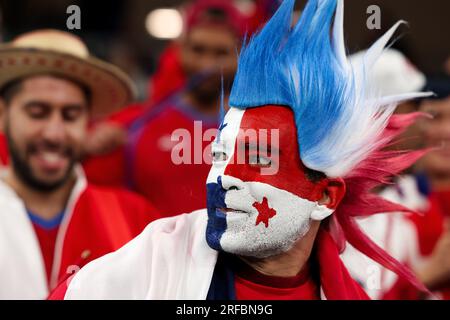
(436, 272)
(105, 138)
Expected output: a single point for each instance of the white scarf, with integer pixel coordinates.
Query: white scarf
(170, 259)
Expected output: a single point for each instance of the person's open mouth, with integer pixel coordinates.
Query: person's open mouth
(231, 211)
(51, 160)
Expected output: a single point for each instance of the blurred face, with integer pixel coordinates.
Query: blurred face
(436, 133)
(411, 138)
(45, 124)
(212, 50)
(251, 211)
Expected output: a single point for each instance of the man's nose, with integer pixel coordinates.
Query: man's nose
(54, 129)
(210, 64)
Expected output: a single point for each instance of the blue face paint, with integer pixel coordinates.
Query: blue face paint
(221, 114)
(217, 221)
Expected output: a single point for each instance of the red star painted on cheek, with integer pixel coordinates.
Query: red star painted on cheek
(264, 212)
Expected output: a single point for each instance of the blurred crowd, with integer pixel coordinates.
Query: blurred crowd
(88, 181)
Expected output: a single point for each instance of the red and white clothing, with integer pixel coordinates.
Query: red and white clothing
(170, 259)
(395, 234)
(96, 221)
(410, 238)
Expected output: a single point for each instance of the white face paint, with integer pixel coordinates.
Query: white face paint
(261, 220)
(225, 143)
(247, 233)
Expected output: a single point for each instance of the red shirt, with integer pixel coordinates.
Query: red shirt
(255, 286)
(46, 232)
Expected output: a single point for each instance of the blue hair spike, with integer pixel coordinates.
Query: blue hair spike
(339, 118)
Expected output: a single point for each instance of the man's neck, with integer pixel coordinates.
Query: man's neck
(290, 263)
(46, 205)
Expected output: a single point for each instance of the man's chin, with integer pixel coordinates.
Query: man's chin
(48, 182)
(253, 250)
(206, 95)
(256, 253)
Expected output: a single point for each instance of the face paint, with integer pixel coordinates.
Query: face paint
(251, 213)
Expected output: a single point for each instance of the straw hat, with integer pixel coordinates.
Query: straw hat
(61, 53)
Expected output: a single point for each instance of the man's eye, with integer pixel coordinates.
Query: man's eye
(71, 114)
(37, 111)
(259, 161)
(219, 156)
(197, 49)
(221, 52)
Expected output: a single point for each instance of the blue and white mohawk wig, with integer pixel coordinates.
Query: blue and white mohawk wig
(339, 118)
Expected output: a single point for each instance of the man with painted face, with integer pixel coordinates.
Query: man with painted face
(295, 159)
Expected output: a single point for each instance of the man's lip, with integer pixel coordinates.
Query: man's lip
(50, 161)
(231, 210)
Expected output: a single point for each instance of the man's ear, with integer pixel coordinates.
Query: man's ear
(333, 193)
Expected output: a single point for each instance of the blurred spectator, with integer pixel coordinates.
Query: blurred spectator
(206, 53)
(423, 241)
(52, 221)
(433, 184)
(393, 74)
(169, 76)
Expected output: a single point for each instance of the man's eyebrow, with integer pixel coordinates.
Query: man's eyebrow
(47, 105)
(75, 106)
(36, 103)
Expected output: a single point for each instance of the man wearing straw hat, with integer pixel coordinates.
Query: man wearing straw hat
(52, 220)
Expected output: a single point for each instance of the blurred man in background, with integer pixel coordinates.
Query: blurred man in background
(433, 189)
(208, 52)
(52, 221)
(393, 73)
(421, 239)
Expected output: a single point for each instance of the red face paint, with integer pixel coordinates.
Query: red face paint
(290, 175)
(251, 212)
